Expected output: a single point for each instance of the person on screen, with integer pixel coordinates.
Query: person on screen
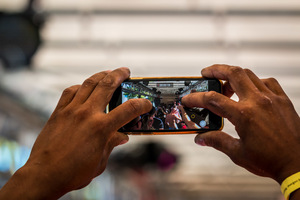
(173, 118)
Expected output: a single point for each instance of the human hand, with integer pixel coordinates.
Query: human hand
(180, 107)
(264, 118)
(74, 146)
(189, 123)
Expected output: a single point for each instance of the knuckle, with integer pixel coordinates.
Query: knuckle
(83, 113)
(70, 90)
(134, 105)
(90, 81)
(65, 113)
(247, 112)
(210, 96)
(235, 70)
(272, 80)
(264, 101)
(108, 81)
(248, 71)
(78, 114)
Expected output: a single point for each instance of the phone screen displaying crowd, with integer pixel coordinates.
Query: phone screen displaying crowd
(168, 114)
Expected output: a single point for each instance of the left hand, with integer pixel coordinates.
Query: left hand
(74, 146)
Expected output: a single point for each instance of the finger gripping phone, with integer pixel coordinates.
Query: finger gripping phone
(168, 115)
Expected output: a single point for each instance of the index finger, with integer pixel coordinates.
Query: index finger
(128, 111)
(103, 92)
(236, 76)
(215, 102)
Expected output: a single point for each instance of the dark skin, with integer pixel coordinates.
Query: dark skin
(74, 146)
(76, 142)
(264, 118)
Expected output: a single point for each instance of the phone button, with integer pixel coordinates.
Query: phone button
(202, 123)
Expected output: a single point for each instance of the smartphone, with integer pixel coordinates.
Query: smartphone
(168, 115)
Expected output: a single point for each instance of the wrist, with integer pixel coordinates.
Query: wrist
(290, 185)
(288, 170)
(30, 183)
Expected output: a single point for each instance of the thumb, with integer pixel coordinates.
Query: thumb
(118, 139)
(221, 141)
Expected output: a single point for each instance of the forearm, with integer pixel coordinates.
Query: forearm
(27, 184)
(187, 120)
(184, 116)
(189, 123)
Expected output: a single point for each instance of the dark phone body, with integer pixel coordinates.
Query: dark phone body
(167, 115)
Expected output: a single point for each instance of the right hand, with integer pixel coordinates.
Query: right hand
(264, 118)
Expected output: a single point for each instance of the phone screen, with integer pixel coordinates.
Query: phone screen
(168, 114)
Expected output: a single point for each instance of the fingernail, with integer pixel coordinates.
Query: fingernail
(200, 141)
(183, 100)
(123, 142)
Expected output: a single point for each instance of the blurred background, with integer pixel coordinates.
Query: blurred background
(48, 45)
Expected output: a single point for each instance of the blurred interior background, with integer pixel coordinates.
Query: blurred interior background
(48, 45)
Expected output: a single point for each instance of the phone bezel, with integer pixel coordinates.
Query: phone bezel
(216, 122)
